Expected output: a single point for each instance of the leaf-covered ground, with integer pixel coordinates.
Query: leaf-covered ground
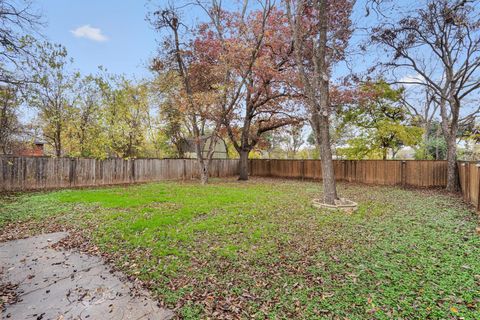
(259, 250)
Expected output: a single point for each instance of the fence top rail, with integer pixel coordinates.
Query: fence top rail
(362, 160)
(87, 158)
(236, 159)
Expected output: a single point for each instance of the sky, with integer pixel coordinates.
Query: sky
(110, 33)
(116, 35)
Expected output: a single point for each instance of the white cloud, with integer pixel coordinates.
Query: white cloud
(90, 33)
(412, 80)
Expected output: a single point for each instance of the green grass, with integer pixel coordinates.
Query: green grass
(259, 250)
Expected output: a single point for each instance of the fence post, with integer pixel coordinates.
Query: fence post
(71, 173)
(184, 169)
(466, 178)
(478, 194)
(462, 185)
(403, 173)
(132, 174)
(350, 170)
(303, 170)
(269, 168)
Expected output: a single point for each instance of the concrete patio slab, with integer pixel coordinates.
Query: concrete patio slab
(58, 284)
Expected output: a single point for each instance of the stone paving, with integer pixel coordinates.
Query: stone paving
(58, 284)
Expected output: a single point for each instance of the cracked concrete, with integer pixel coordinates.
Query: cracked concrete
(55, 284)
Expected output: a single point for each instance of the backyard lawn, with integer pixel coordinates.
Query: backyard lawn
(259, 250)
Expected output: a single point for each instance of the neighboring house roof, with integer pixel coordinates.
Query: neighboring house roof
(28, 149)
(189, 144)
(39, 142)
(188, 147)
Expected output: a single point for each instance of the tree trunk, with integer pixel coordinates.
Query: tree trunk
(328, 175)
(58, 147)
(58, 140)
(322, 113)
(179, 147)
(203, 171)
(450, 130)
(243, 165)
(452, 172)
(316, 89)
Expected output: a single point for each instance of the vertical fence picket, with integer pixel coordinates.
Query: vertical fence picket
(477, 179)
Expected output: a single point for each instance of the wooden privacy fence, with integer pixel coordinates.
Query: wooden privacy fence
(33, 173)
(413, 173)
(469, 174)
(423, 173)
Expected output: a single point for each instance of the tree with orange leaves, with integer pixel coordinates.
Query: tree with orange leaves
(252, 51)
(197, 97)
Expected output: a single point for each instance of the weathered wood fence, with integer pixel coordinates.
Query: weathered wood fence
(411, 173)
(469, 173)
(33, 173)
(422, 173)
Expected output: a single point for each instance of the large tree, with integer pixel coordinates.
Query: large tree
(380, 122)
(440, 44)
(252, 51)
(51, 91)
(197, 98)
(85, 134)
(321, 30)
(173, 128)
(19, 22)
(125, 116)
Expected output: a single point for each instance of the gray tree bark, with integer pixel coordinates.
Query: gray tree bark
(243, 165)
